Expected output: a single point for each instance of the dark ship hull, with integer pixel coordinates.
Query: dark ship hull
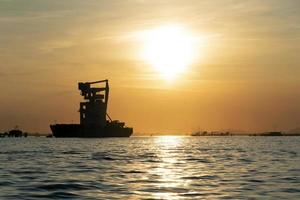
(81, 131)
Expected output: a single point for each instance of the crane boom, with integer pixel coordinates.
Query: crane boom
(94, 82)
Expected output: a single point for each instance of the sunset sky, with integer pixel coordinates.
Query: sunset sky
(241, 70)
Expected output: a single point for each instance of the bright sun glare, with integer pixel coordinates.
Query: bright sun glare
(169, 49)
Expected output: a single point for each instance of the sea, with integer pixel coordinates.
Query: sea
(167, 167)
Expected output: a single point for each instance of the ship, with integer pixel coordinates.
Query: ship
(94, 119)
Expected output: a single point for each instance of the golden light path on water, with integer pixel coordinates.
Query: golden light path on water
(170, 174)
(176, 173)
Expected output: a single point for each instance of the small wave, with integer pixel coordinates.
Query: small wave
(148, 155)
(70, 152)
(245, 160)
(152, 161)
(23, 152)
(165, 190)
(145, 181)
(26, 172)
(291, 179)
(294, 170)
(55, 195)
(256, 181)
(203, 149)
(205, 177)
(133, 172)
(101, 156)
(63, 186)
(6, 183)
(198, 160)
(291, 190)
(193, 194)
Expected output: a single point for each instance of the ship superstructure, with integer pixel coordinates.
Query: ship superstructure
(93, 111)
(93, 115)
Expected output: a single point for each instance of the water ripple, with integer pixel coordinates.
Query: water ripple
(150, 168)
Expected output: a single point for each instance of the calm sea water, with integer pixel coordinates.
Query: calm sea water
(150, 168)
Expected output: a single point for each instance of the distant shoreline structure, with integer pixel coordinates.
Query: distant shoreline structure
(14, 133)
(216, 133)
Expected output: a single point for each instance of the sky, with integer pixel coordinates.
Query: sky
(245, 75)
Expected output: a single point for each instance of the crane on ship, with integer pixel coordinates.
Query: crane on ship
(95, 96)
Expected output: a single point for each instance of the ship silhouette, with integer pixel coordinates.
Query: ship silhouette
(94, 119)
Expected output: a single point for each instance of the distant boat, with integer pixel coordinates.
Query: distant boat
(93, 116)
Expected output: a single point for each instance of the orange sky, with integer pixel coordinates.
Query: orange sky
(245, 76)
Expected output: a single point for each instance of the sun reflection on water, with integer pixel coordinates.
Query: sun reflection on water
(168, 183)
(168, 140)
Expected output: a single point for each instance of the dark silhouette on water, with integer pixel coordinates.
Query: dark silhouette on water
(216, 133)
(93, 113)
(16, 132)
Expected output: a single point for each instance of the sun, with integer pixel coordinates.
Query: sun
(169, 49)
